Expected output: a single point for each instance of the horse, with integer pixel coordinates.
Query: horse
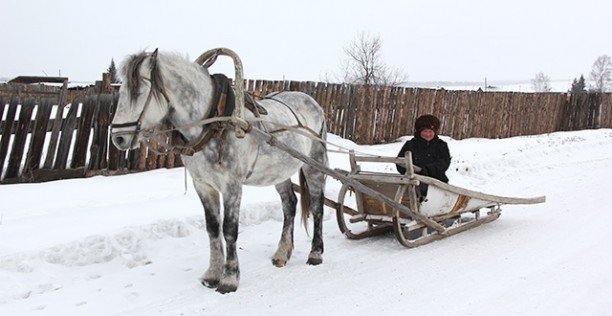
(164, 89)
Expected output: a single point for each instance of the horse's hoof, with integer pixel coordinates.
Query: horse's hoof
(279, 262)
(210, 283)
(314, 261)
(226, 288)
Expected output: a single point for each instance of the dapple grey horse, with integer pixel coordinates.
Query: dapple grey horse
(162, 89)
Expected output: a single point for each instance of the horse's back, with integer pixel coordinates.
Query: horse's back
(288, 111)
(287, 107)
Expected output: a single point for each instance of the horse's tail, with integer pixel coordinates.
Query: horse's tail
(304, 190)
(304, 199)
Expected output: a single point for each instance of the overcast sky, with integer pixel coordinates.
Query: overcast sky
(303, 40)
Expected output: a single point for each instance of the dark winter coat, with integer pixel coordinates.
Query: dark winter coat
(433, 157)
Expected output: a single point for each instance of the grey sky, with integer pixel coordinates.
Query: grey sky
(303, 40)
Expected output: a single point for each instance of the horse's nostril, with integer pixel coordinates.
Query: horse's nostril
(119, 140)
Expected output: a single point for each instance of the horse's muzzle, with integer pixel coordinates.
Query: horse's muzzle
(125, 139)
(123, 142)
(120, 142)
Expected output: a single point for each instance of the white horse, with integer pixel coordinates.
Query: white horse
(160, 89)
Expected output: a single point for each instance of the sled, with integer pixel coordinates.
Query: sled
(453, 208)
(389, 202)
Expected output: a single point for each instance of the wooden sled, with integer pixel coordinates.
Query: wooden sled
(388, 202)
(453, 208)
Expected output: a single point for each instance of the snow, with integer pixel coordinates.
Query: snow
(493, 85)
(135, 244)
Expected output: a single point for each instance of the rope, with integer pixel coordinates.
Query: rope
(185, 178)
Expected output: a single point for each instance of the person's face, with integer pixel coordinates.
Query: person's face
(428, 134)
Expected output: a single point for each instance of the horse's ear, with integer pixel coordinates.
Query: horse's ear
(154, 54)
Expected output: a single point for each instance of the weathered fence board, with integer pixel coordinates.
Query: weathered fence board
(39, 134)
(55, 133)
(105, 118)
(79, 155)
(25, 116)
(67, 132)
(6, 132)
(605, 113)
(3, 104)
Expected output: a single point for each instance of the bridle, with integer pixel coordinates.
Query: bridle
(138, 123)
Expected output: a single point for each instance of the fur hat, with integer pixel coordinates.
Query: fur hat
(425, 122)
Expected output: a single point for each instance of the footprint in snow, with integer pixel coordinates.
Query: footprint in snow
(132, 296)
(39, 307)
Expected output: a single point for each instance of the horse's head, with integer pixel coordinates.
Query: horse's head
(143, 101)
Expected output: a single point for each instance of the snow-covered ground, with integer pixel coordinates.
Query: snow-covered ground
(135, 244)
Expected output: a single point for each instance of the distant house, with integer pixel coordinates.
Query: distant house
(38, 79)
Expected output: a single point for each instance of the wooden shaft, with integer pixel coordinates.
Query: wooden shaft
(239, 79)
(479, 195)
(328, 202)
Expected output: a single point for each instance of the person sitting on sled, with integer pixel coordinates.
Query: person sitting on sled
(429, 152)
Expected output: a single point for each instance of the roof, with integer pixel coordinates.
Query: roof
(38, 79)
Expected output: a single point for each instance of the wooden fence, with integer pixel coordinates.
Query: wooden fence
(372, 115)
(42, 141)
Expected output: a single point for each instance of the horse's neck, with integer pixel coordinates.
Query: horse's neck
(192, 91)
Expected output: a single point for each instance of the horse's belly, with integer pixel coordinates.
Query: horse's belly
(265, 174)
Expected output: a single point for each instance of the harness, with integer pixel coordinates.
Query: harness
(224, 101)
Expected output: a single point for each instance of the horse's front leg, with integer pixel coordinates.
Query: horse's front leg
(231, 271)
(210, 202)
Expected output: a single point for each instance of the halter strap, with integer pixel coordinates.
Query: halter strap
(136, 123)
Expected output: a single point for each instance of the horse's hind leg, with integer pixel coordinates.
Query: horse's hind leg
(210, 202)
(316, 186)
(285, 245)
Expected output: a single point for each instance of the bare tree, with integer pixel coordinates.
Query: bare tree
(601, 74)
(364, 64)
(541, 83)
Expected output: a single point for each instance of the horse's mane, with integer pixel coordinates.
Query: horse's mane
(133, 63)
(131, 72)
